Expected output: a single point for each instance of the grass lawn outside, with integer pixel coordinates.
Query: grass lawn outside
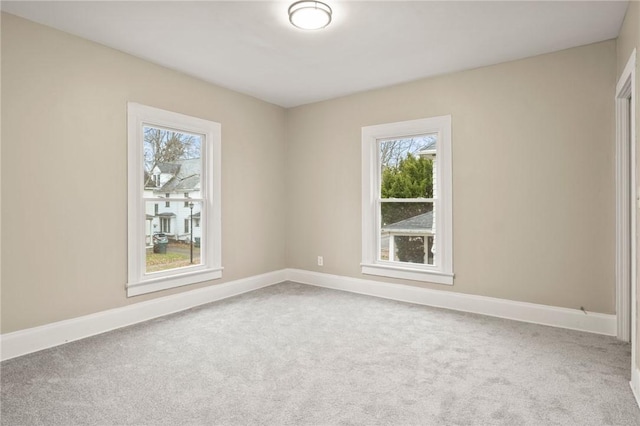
(177, 256)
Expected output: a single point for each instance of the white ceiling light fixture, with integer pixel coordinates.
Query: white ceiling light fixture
(310, 15)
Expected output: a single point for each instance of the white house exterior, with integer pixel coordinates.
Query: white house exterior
(179, 179)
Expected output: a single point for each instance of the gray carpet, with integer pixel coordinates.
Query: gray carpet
(295, 354)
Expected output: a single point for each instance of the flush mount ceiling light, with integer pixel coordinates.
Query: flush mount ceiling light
(309, 15)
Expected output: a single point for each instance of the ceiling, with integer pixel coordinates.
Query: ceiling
(251, 47)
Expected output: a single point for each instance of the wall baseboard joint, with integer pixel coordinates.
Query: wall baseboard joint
(38, 338)
(573, 319)
(35, 339)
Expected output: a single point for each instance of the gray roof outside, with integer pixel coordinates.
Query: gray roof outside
(166, 215)
(421, 223)
(189, 167)
(188, 184)
(171, 168)
(186, 176)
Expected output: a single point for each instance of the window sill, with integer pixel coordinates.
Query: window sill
(405, 273)
(172, 281)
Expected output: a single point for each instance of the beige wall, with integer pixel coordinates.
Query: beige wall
(629, 36)
(64, 172)
(628, 40)
(533, 176)
(532, 156)
(0, 178)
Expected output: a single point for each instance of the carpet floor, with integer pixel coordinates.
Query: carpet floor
(296, 354)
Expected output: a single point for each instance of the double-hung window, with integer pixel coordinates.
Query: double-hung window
(174, 159)
(407, 200)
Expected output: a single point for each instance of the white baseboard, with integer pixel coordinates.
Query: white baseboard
(635, 383)
(35, 339)
(38, 338)
(573, 319)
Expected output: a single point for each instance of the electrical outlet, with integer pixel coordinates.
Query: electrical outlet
(320, 261)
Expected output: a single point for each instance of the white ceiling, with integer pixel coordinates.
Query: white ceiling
(251, 47)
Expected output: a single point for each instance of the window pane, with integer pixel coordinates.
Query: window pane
(407, 232)
(171, 161)
(407, 167)
(169, 235)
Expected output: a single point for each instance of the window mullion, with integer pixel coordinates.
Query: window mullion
(181, 199)
(406, 200)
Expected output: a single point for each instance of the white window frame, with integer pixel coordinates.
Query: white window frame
(442, 271)
(210, 267)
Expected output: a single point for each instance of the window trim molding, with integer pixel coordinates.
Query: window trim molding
(138, 281)
(442, 271)
(626, 268)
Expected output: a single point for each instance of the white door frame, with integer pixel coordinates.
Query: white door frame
(626, 199)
